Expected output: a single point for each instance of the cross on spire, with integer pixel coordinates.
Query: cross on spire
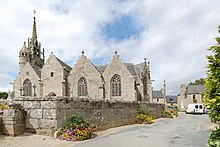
(34, 12)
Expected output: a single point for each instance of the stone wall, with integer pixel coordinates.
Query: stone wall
(47, 114)
(1, 125)
(12, 122)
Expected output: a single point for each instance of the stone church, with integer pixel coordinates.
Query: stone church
(115, 80)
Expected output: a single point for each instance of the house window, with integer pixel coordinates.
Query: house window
(27, 87)
(51, 74)
(82, 87)
(145, 85)
(157, 100)
(194, 96)
(116, 85)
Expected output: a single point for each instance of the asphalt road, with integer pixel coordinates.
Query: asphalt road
(185, 131)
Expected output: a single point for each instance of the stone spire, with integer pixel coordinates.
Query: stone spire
(164, 91)
(34, 31)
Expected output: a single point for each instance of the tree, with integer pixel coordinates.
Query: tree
(200, 81)
(212, 94)
(3, 95)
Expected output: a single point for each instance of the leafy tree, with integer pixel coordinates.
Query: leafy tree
(212, 94)
(3, 95)
(200, 81)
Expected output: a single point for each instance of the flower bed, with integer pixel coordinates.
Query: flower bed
(77, 129)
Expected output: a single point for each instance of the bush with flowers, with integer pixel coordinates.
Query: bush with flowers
(143, 116)
(2, 107)
(170, 113)
(77, 129)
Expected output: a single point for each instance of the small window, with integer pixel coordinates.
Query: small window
(157, 100)
(51, 74)
(194, 96)
(27, 73)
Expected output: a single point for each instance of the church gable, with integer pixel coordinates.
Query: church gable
(116, 66)
(27, 78)
(52, 65)
(119, 80)
(85, 79)
(54, 74)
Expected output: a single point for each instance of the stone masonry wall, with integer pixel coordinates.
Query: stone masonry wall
(47, 114)
(1, 126)
(12, 122)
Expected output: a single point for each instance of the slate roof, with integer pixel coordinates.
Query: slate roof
(64, 64)
(131, 68)
(171, 99)
(135, 70)
(195, 89)
(101, 68)
(38, 72)
(157, 94)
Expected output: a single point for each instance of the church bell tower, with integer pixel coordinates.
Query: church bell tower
(31, 52)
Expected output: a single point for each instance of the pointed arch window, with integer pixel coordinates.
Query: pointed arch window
(27, 87)
(145, 85)
(82, 87)
(116, 85)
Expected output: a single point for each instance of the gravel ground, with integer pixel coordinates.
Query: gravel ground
(32, 140)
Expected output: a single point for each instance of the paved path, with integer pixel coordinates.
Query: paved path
(185, 131)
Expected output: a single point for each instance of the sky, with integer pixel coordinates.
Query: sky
(173, 35)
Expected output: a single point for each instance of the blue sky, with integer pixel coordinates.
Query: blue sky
(122, 28)
(172, 35)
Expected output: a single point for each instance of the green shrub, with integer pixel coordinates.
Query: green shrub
(214, 139)
(167, 114)
(77, 128)
(141, 110)
(173, 111)
(143, 116)
(148, 120)
(2, 106)
(170, 113)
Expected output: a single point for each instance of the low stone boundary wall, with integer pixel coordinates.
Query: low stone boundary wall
(1, 125)
(47, 114)
(12, 122)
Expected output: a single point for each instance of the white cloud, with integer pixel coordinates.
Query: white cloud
(175, 39)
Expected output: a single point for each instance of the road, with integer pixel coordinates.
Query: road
(185, 131)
